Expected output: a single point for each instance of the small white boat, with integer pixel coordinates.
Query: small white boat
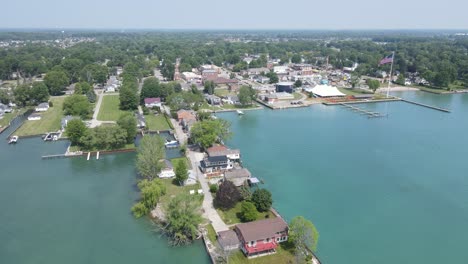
(13, 140)
(172, 142)
(239, 112)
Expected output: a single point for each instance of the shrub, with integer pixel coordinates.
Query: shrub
(213, 188)
(248, 212)
(262, 199)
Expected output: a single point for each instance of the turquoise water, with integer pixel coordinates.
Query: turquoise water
(75, 211)
(388, 190)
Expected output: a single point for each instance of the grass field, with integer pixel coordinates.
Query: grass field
(109, 110)
(9, 116)
(173, 189)
(223, 92)
(156, 122)
(232, 216)
(176, 161)
(211, 233)
(284, 254)
(50, 120)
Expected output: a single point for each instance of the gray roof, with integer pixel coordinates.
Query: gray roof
(239, 173)
(43, 105)
(261, 229)
(168, 164)
(228, 239)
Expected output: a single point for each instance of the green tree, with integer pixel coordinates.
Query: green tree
(56, 81)
(39, 93)
(72, 67)
(77, 105)
(22, 94)
(209, 87)
(181, 172)
(183, 217)
(373, 84)
(207, 132)
(82, 88)
(128, 122)
(94, 73)
(227, 196)
(296, 58)
(91, 95)
(298, 83)
(128, 98)
(273, 76)
(109, 137)
(151, 88)
(150, 191)
(75, 130)
(4, 97)
(262, 199)
(248, 212)
(303, 234)
(246, 95)
(149, 155)
(401, 79)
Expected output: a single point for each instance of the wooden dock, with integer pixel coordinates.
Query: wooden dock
(427, 106)
(369, 114)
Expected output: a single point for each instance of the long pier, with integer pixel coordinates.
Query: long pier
(363, 111)
(427, 106)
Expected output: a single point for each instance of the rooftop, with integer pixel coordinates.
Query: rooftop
(262, 229)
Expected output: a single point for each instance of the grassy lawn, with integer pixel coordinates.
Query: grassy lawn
(222, 92)
(173, 189)
(9, 116)
(297, 96)
(50, 120)
(211, 233)
(232, 106)
(232, 216)
(176, 161)
(284, 254)
(156, 122)
(109, 110)
(353, 91)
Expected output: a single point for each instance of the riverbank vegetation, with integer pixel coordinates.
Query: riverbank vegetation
(50, 120)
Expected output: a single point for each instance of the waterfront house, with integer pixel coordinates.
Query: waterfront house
(152, 102)
(42, 107)
(212, 99)
(167, 171)
(237, 176)
(221, 150)
(228, 240)
(261, 237)
(215, 164)
(34, 117)
(186, 118)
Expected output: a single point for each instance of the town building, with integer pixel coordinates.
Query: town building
(261, 237)
(212, 99)
(238, 176)
(152, 102)
(326, 91)
(215, 164)
(285, 87)
(42, 107)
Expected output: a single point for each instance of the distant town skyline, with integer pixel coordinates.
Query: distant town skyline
(241, 14)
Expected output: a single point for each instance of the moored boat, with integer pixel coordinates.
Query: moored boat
(13, 140)
(239, 112)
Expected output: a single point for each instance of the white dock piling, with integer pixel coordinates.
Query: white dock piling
(89, 155)
(97, 155)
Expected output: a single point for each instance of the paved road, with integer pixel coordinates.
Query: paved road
(94, 121)
(209, 211)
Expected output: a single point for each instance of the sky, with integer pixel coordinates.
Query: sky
(237, 14)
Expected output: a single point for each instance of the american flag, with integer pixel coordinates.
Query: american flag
(388, 59)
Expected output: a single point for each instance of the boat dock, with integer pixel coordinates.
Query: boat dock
(425, 105)
(369, 114)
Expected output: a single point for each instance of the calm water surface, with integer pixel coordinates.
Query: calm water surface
(389, 190)
(75, 211)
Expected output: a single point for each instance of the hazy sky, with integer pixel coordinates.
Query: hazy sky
(237, 14)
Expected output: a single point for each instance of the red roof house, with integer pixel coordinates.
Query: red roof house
(262, 237)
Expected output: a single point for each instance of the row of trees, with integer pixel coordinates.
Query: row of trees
(207, 132)
(102, 137)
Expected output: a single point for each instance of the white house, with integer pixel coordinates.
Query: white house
(167, 171)
(34, 117)
(42, 107)
(152, 102)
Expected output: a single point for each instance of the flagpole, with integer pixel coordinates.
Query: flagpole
(390, 77)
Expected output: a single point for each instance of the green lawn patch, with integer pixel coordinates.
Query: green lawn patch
(176, 161)
(173, 189)
(284, 254)
(297, 96)
(211, 233)
(157, 122)
(223, 92)
(354, 91)
(10, 116)
(50, 120)
(232, 106)
(232, 216)
(110, 110)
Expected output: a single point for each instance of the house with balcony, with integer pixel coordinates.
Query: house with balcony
(261, 237)
(221, 150)
(215, 164)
